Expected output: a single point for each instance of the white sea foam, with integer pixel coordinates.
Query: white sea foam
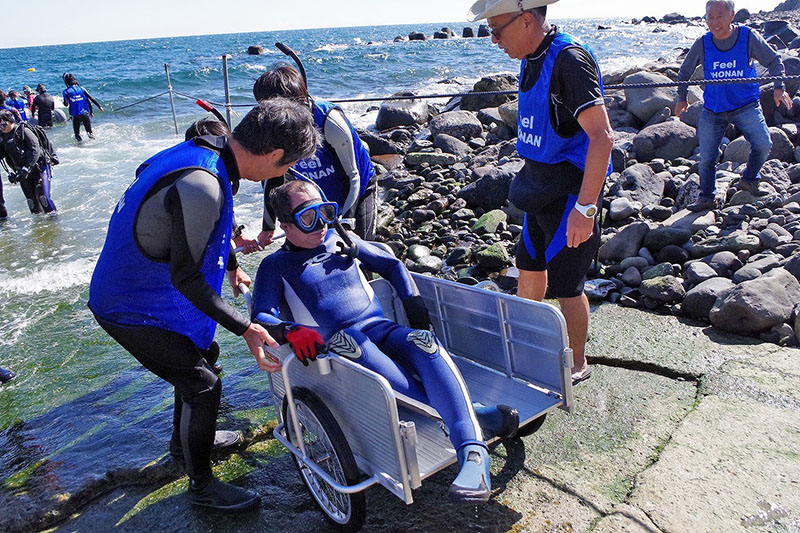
(330, 47)
(55, 277)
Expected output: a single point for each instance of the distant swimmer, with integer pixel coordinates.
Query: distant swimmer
(4, 106)
(29, 162)
(45, 104)
(6, 375)
(17, 103)
(80, 103)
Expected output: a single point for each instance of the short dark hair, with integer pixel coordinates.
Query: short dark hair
(12, 93)
(69, 79)
(6, 115)
(279, 123)
(279, 197)
(282, 80)
(206, 126)
(2, 97)
(41, 88)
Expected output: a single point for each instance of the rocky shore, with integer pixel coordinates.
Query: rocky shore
(445, 173)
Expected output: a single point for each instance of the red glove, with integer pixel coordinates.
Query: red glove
(306, 342)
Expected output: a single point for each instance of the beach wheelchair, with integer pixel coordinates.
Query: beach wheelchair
(348, 430)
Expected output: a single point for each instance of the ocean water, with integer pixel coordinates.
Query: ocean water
(47, 334)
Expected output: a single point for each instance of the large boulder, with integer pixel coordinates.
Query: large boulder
(483, 30)
(779, 33)
(773, 173)
(498, 82)
(639, 183)
(668, 140)
(664, 289)
(508, 114)
(379, 145)
(644, 103)
(491, 191)
(737, 151)
(698, 301)
(692, 115)
(625, 243)
(663, 236)
(416, 36)
(395, 113)
(741, 16)
(757, 305)
(467, 32)
(462, 125)
(449, 144)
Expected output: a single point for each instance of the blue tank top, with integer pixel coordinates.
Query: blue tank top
(76, 97)
(735, 63)
(326, 170)
(536, 138)
(19, 105)
(129, 288)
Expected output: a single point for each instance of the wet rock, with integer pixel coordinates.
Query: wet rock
(451, 145)
(483, 30)
(416, 36)
(430, 158)
(631, 277)
(736, 242)
(467, 32)
(657, 271)
(379, 145)
(255, 50)
(462, 125)
(489, 222)
(500, 82)
(698, 301)
(639, 183)
(494, 257)
(621, 208)
(459, 256)
(428, 264)
(668, 140)
(491, 191)
(757, 305)
(395, 113)
(420, 216)
(697, 272)
(418, 251)
(663, 236)
(625, 243)
(644, 103)
(673, 254)
(663, 289)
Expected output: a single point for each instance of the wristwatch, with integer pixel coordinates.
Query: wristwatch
(589, 211)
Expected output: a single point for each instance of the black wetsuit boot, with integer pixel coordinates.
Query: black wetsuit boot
(6, 375)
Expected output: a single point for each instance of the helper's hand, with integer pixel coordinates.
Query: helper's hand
(12, 178)
(306, 342)
(256, 337)
(235, 277)
(264, 238)
(248, 246)
(680, 108)
(579, 229)
(782, 97)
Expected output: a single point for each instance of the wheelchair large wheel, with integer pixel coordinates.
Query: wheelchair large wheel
(326, 445)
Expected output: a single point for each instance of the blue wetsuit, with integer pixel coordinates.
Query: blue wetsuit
(19, 105)
(328, 292)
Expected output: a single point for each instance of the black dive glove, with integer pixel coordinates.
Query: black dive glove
(12, 178)
(22, 173)
(417, 313)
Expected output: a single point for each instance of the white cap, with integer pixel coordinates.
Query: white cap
(483, 9)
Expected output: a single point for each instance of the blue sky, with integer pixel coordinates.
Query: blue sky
(106, 20)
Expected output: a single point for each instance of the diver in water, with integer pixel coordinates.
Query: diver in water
(17, 103)
(341, 167)
(28, 162)
(330, 299)
(45, 105)
(11, 109)
(80, 103)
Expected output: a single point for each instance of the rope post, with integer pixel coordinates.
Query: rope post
(227, 90)
(171, 98)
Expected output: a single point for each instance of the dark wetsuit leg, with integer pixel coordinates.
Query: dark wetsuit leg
(28, 186)
(77, 120)
(367, 213)
(176, 359)
(43, 190)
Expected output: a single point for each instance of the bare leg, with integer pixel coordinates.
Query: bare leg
(576, 313)
(532, 285)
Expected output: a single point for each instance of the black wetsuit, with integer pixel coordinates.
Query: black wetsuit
(20, 148)
(45, 105)
(174, 224)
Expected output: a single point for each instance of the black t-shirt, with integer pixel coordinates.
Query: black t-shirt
(574, 84)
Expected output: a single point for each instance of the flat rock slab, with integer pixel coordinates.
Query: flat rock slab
(664, 343)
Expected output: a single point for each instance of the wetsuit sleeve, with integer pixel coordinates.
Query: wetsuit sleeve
(64, 98)
(34, 104)
(194, 209)
(387, 265)
(338, 134)
(578, 80)
(761, 51)
(268, 293)
(693, 58)
(91, 100)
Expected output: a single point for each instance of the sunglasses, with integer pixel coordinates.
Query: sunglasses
(313, 215)
(496, 31)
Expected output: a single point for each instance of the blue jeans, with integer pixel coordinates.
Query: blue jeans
(750, 121)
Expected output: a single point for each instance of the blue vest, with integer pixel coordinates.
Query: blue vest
(326, 170)
(536, 138)
(735, 63)
(76, 97)
(19, 105)
(7, 107)
(129, 288)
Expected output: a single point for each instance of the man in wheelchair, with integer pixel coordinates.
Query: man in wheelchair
(331, 302)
